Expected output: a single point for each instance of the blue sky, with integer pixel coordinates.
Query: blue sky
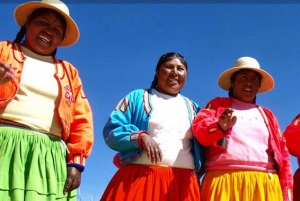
(120, 45)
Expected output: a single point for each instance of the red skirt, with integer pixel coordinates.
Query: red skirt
(152, 183)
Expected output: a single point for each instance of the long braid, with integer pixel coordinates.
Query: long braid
(154, 82)
(20, 35)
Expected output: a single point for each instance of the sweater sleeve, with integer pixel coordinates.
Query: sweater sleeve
(120, 132)
(292, 136)
(81, 138)
(206, 127)
(285, 170)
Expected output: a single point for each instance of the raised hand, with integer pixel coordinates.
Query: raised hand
(227, 120)
(6, 72)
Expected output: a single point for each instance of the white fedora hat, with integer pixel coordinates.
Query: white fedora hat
(246, 63)
(24, 10)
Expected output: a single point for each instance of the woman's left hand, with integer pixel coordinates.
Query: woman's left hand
(73, 179)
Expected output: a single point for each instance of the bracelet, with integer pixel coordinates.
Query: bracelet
(139, 138)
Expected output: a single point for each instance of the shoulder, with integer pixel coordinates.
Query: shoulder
(267, 111)
(138, 92)
(138, 95)
(6, 43)
(219, 101)
(189, 100)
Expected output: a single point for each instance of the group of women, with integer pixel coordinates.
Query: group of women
(168, 148)
(165, 142)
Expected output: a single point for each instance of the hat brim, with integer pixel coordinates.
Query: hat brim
(267, 81)
(24, 10)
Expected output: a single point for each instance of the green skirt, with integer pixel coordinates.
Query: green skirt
(32, 166)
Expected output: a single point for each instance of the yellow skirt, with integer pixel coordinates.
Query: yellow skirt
(240, 186)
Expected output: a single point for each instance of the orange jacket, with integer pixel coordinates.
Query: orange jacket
(73, 109)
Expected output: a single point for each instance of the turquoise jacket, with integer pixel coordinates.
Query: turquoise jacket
(130, 117)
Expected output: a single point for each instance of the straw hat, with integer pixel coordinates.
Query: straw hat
(246, 63)
(24, 10)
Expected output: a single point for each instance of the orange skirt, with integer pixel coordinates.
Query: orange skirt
(240, 186)
(152, 183)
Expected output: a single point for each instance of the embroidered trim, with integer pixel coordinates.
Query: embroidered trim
(147, 106)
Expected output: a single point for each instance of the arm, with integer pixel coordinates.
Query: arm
(121, 132)
(285, 173)
(292, 136)
(282, 157)
(212, 123)
(81, 136)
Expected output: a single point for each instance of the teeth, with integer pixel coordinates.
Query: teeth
(45, 39)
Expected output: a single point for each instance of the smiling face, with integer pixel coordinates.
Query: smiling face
(171, 77)
(245, 84)
(44, 33)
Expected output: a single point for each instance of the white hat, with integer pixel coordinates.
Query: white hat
(246, 63)
(24, 10)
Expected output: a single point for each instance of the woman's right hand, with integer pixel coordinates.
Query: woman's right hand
(6, 72)
(151, 147)
(227, 120)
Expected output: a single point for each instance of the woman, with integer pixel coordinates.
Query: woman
(151, 131)
(43, 111)
(246, 156)
(292, 136)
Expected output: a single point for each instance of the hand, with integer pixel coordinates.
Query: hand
(226, 120)
(6, 72)
(73, 179)
(152, 148)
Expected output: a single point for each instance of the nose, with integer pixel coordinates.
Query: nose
(248, 82)
(49, 30)
(174, 72)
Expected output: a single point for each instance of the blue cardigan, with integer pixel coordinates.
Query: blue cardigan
(131, 116)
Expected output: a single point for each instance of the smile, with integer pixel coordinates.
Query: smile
(45, 39)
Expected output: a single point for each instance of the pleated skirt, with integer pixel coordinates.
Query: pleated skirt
(32, 166)
(152, 183)
(240, 186)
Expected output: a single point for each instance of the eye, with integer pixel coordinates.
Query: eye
(181, 69)
(255, 79)
(58, 31)
(243, 78)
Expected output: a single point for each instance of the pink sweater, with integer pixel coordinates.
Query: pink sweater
(246, 148)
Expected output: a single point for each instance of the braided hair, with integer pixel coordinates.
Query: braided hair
(22, 32)
(163, 59)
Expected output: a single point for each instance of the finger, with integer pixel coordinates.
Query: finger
(75, 184)
(152, 152)
(68, 185)
(158, 154)
(6, 67)
(233, 120)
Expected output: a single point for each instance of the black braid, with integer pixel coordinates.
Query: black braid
(54, 52)
(20, 35)
(154, 82)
